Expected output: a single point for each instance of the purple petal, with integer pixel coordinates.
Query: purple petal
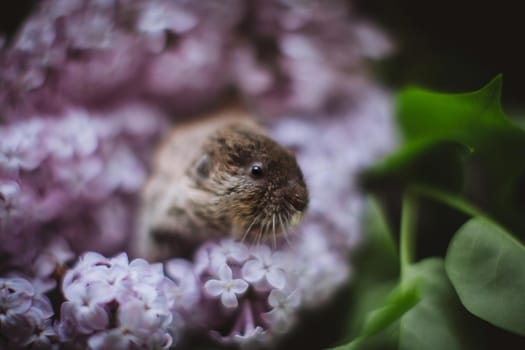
(214, 287)
(239, 286)
(276, 277)
(229, 299)
(91, 318)
(276, 297)
(43, 305)
(225, 273)
(129, 315)
(120, 259)
(252, 271)
(112, 339)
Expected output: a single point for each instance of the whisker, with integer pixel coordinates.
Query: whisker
(285, 230)
(266, 229)
(293, 230)
(261, 233)
(273, 231)
(245, 234)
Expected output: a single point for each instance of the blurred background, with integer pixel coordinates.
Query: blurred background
(445, 45)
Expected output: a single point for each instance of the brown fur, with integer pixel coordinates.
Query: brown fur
(202, 186)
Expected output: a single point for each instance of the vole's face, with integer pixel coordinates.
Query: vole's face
(259, 188)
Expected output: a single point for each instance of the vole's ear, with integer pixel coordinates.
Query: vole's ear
(203, 166)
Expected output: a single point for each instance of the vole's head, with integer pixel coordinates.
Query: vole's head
(256, 186)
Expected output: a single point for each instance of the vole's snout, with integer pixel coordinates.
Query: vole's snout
(298, 197)
(292, 197)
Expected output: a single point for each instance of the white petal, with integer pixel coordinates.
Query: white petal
(225, 273)
(120, 259)
(214, 287)
(263, 252)
(276, 296)
(229, 299)
(276, 278)
(252, 271)
(239, 286)
(294, 299)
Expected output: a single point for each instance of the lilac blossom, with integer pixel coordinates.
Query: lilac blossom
(284, 306)
(226, 287)
(183, 55)
(136, 295)
(25, 315)
(259, 292)
(50, 263)
(81, 167)
(265, 265)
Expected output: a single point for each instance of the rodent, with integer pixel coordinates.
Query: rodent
(218, 176)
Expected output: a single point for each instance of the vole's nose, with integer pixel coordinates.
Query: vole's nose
(297, 195)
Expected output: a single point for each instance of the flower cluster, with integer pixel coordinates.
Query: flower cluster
(25, 315)
(303, 57)
(117, 304)
(281, 55)
(75, 173)
(253, 294)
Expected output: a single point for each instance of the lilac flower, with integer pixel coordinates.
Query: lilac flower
(251, 337)
(76, 136)
(16, 298)
(228, 251)
(88, 301)
(9, 204)
(186, 290)
(123, 171)
(25, 316)
(136, 295)
(50, 262)
(157, 18)
(265, 265)
(77, 168)
(259, 296)
(226, 287)
(131, 332)
(19, 148)
(43, 337)
(284, 307)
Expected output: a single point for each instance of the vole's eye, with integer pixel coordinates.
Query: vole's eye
(203, 166)
(256, 171)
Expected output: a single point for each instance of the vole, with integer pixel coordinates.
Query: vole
(214, 177)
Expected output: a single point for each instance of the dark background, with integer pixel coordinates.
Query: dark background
(454, 45)
(446, 45)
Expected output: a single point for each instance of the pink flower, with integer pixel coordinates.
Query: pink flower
(267, 265)
(226, 287)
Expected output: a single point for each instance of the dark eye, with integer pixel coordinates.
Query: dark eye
(256, 171)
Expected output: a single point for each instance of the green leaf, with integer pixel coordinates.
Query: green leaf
(487, 268)
(378, 259)
(377, 272)
(438, 321)
(425, 114)
(439, 163)
(477, 121)
(376, 266)
(400, 300)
